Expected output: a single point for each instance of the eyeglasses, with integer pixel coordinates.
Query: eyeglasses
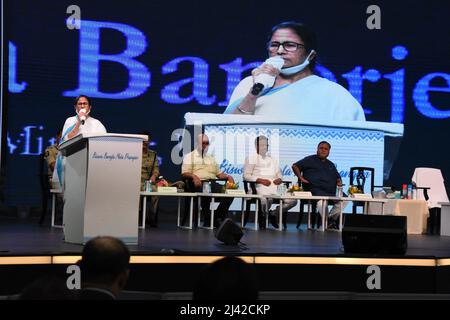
(206, 143)
(82, 103)
(288, 46)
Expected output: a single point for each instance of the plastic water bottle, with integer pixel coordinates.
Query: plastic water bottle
(281, 189)
(206, 187)
(410, 191)
(405, 191)
(340, 192)
(148, 186)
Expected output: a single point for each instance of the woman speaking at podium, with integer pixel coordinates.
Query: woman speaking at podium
(285, 86)
(82, 122)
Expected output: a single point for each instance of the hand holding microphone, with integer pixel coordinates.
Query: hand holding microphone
(82, 115)
(265, 75)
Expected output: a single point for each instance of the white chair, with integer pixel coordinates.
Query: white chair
(55, 193)
(431, 178)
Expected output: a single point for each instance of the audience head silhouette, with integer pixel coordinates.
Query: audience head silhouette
(229, 278)
(104, 268)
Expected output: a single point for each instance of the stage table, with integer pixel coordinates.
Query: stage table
(445, 218)
(244, 197)
(179, 195)
(416, 212)
(55, 193)
(309, 198)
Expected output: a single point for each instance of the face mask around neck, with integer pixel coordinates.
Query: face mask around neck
(300, 67)
(85, 114)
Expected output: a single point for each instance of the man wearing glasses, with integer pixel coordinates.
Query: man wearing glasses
(198, 166)
(297, 94)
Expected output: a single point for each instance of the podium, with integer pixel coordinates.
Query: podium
(101, 187)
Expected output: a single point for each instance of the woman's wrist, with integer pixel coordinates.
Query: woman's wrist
(244, 111)
(248, 104)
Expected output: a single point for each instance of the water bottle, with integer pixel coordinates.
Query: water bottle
(410, 191)
(404, 191)
(281, 188)
(147, 186)
(340, 192)
(206, 187)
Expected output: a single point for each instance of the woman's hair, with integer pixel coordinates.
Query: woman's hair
(82, 96)
(307, 35)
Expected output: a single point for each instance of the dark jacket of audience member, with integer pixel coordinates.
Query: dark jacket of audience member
(48, 288)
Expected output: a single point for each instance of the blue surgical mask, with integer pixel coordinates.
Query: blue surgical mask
(300, 67)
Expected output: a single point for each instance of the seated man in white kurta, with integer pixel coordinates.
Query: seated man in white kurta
(264, 170)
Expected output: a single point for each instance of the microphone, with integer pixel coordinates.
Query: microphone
(265, 80)
(82, 116)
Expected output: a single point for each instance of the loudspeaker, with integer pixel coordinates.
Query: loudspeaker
(229, 232)
(374, 234)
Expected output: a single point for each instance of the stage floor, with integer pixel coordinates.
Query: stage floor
(292, 260)
(27, 237)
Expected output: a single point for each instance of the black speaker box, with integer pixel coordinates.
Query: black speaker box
(375, 234)
(229, 232)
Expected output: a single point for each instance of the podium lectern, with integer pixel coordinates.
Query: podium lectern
(101, 187)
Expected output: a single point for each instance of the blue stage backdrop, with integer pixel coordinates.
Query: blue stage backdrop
(147, 63)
